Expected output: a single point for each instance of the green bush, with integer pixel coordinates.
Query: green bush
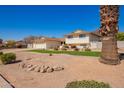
(56, 48)
(76, 49)
(87, 84)
(50, 54)
(8, 58)
(1, 53)
(87, 49)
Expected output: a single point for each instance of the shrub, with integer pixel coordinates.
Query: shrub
(8, 58)
(50, 54)
(65, 46)
(87, 49)
(64, 49)
(56, 48)
(76, 49)
(1, 53)
(73, 46)
(87, 84)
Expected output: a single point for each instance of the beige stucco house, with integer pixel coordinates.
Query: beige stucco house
(45, 43)
(82, 39)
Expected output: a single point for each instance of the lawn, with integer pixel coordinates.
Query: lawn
(79, 53)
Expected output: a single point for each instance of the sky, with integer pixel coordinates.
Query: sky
(17, 22)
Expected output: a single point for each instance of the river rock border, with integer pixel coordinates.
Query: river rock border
(40, 68)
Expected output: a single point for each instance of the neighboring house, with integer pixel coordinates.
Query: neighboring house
(21, 44)
(45, 43)
(82, 39)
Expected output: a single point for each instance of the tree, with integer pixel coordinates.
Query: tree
(109, 28)
(29, 39)
(10, 43)
(120, 36)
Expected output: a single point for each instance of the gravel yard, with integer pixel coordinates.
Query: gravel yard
(75, 68)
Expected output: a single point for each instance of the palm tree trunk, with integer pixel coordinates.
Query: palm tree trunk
(109, 29)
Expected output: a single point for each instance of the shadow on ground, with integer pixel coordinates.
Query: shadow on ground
(16, 61)
(121, 56)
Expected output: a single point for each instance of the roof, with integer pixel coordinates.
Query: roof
(42, 40)
(96, 33)
(78, 32)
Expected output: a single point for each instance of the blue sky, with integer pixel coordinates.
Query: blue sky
(17, 22)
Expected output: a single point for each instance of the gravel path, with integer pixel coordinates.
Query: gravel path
(76, 68)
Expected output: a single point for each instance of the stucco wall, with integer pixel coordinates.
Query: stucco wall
(46, 45)
(77, 40)
(52, 44)
(30, 46)
(39, 46)
(120, 44)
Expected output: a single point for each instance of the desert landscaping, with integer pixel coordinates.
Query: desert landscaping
(61, 57)
(75, 68)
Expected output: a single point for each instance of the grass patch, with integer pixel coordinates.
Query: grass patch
(87, 84)
(79, 53)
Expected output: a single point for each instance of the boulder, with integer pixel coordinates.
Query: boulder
(29, 66)
(22, 65)
(37, 69)
(32, 68)
(49, 70)
(43, 69)
(58, 68)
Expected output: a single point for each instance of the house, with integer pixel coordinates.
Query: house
(21, 44)
(45, 43)
(82, 39)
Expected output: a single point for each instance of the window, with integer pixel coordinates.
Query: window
(70, 36)
(82, 35)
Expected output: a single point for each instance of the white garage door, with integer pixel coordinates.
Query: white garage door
(39, 46)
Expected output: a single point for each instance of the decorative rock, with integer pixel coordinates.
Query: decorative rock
(37, 69)
(44, 69)
(22, 65)
(32, 68)
(50, 70)
(58, 68)
(29, 66)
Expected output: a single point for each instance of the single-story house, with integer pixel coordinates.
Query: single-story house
(45, 43)
(21, 44)
(82, 39)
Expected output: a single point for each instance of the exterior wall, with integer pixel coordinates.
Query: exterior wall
(77, 40)
(91, 40)
(46, 45)
(29, 45)
(120, 44)
(79, 47)
(52, 44)
(39, 46)
(94, 40)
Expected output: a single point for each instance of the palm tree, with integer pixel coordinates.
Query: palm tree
(109, 28)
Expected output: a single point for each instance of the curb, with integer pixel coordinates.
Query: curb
(4, 83)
